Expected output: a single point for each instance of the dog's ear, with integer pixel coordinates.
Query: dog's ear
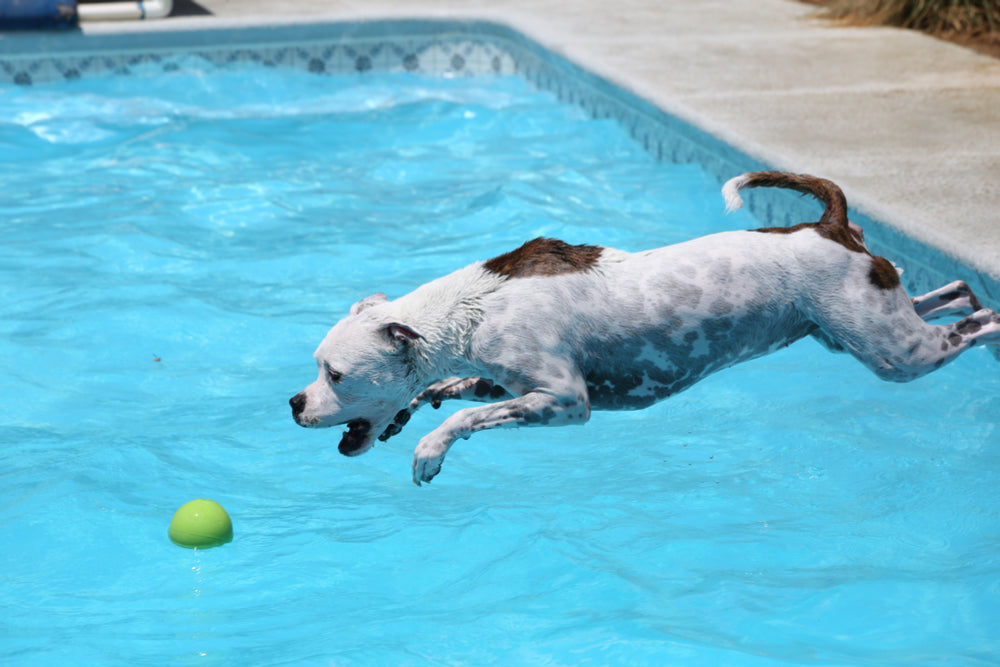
(400, 332)
(368, 302)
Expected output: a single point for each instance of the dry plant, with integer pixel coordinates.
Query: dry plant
(972, 23)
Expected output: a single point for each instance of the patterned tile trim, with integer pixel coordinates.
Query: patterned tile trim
(438, 57)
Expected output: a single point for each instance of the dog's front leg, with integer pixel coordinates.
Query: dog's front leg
(532, 409)
(476, 389)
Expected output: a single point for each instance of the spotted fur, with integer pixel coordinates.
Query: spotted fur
(549, 332)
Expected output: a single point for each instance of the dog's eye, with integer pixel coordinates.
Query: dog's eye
(334, 376)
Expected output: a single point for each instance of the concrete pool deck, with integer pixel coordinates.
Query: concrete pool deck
(907, 124)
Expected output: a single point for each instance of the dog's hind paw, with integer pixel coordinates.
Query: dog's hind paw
(397, 424)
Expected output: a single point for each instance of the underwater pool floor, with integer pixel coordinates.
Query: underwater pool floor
(163, 302)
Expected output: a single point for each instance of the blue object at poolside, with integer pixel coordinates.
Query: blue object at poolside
(37, 14)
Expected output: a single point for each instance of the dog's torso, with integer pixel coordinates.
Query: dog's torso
(639, 327)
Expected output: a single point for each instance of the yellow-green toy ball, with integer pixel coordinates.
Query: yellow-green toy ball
(200, 524)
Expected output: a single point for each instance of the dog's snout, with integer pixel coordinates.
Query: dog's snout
(298, 403)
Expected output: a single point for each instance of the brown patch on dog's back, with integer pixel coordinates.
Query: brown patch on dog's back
(544, 257)
(883, 274)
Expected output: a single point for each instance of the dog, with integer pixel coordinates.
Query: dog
(546, 333)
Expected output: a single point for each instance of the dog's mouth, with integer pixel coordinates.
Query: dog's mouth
(357, 439)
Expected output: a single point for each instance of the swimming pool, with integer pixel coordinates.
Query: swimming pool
(175, 246)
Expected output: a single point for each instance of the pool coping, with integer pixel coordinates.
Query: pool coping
(482, 47)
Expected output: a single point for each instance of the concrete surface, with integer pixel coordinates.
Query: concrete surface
(908, 125)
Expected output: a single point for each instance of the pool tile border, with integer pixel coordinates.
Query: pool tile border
(422, 47)
(455, 48)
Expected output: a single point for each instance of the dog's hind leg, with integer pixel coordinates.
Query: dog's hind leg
(955, 299)
(901, 347)
(952, 300)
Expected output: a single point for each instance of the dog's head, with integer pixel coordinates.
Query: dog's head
(366, 378)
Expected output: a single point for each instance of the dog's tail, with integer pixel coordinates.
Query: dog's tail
(826, 191)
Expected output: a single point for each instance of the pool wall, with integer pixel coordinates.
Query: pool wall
(457, 48)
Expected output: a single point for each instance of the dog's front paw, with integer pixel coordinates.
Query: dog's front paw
(397, 424)
(441, 391)
(427, 460)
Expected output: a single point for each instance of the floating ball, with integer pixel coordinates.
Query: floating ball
(200, 524)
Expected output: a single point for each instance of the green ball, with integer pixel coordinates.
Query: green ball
(200, 524)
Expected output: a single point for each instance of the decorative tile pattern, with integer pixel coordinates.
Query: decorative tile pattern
(434, 56)
(449, 48)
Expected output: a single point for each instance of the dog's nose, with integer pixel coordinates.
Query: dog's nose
(298, 403)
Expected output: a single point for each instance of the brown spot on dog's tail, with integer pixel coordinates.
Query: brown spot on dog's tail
(544, 257)
(826, 191)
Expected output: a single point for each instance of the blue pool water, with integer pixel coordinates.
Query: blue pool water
(174, 246)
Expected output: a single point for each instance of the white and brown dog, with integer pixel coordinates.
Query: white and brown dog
(550, 331)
